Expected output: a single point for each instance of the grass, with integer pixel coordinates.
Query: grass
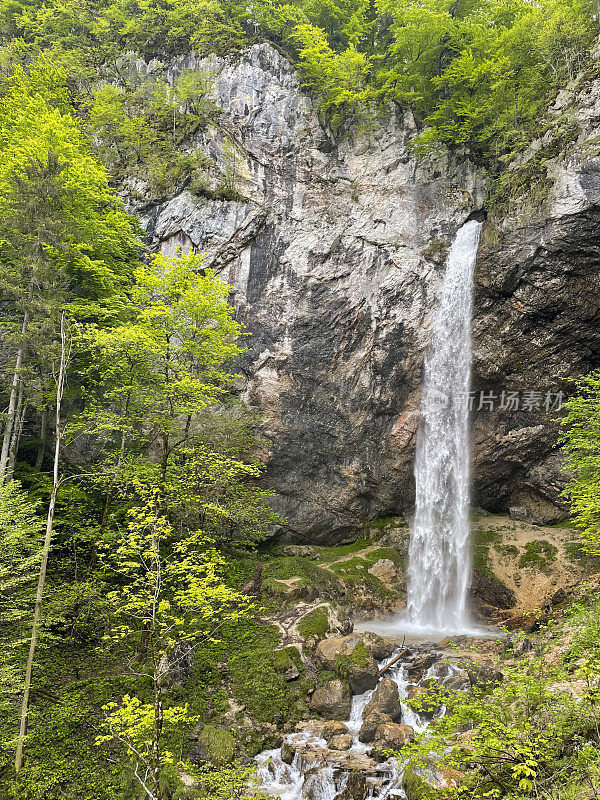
(510, 550)
(384, 522)
(538, 554)
(576, 553)
(483, 539)
(327, 566)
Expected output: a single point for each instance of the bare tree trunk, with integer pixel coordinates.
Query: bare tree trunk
(158, 704)
(43, 433)
(14, 390)
(158, 726)
(37, 616)
(17, 431)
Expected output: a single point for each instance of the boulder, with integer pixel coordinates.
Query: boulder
(332, 701)
(370, 725)
(491, 591)
(558, 597)
(175, 667)
(334, 728)
(329, 650)
(286, 662)
(378, 646)
(386, 699)
(349, 657)
(287, 753)
(341, 742)
(420, 666)
(391, 736)
(315, 625)
(385, 571)
(457, 682)
(484, 676)
(356, 787)
(361, 669)
(214, 745)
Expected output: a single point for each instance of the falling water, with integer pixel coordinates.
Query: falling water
(439, 558)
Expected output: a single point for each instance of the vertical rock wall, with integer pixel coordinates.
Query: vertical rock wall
(335, 252)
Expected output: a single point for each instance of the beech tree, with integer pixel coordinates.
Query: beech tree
(163, 401)
(172, 593)
(20, 553)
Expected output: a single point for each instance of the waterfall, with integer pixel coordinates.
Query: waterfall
(439, 557)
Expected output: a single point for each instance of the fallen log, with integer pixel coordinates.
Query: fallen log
(402, 654)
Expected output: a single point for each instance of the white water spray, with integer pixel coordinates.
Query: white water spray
(439, 558)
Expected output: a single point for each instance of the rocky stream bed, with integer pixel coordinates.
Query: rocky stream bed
(347, 754)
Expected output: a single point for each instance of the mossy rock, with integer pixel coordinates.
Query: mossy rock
(482, 541)
(345, 663)
(275, 588)
(253, 666)
(359, 668)
(217, 745)
(415, 786)
(286, 660)
(360, 655)
(315, 624)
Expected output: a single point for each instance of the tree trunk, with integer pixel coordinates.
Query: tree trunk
(158, 704)
(108, 501)
(158, 726)
(43, 433)
(17, 431)
(14, 390)
(37, 615)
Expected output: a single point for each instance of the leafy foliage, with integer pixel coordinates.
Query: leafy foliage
(580, 437)
(20, 548)
(527, 736)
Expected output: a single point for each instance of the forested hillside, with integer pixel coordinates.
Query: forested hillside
(478, 74)
(154, 637)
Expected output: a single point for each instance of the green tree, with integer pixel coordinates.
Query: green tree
(20, 552)
(64, 237)
(580, 438)
(163, 401)
(523, 737)
(172, 591)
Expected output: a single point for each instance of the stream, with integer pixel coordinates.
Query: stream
(316, 772)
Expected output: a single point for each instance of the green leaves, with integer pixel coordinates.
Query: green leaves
(580, 438)
(20, 551)
(509, 742)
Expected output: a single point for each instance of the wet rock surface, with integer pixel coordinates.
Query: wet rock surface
(488, 589)
(392, 736)
(351, 657)
(385, 699)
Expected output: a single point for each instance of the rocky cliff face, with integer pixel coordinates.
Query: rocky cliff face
(335, 252)
(537, 318)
